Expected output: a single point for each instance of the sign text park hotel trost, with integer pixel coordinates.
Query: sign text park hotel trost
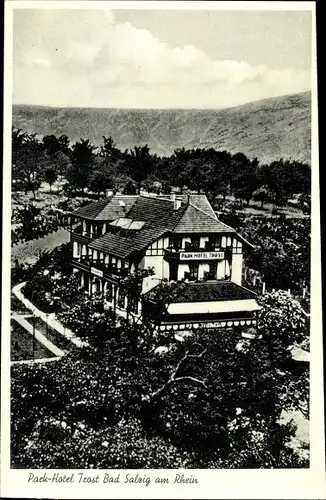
(182, 240)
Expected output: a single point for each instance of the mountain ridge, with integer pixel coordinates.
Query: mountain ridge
(269, 129)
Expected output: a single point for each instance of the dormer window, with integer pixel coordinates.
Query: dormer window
(126, 227)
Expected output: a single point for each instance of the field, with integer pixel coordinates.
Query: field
(56, 338)
(28, 252)
(254, 208)
(22, 345)
(43, 197)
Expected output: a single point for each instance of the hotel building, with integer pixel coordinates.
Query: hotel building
(182, 240)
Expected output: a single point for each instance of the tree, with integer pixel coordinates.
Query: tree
(284, 178)
(222, 177)
(283, 321)
(64, 144)
(157, 301)
(50, 176)
(263, 195)
(28, 161)
(82, 160)
(109, 151)
(193, 405)
(244, 181)
(101, 177)
(140, 164)
(18, 138)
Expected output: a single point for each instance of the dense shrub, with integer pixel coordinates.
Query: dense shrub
(125, 405)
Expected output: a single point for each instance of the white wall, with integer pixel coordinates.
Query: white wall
(76, 250)
(155, 261)
(221, 269)
(203, 268)
(182, 269)
(185, 239)
(161, 270)
(203, 240)
(236, 273)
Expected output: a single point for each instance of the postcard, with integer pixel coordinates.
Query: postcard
(161, 310)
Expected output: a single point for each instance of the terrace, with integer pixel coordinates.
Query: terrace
(99, 267)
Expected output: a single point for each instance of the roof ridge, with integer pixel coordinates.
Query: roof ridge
(125, 196)
(155, 198)
(202, 211)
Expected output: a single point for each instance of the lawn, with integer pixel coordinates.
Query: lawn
(52, 335)
(254, 208)
(43, 199)
(29, 251)
(22, 345)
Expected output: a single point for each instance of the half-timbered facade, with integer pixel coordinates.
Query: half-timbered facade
(182, 240)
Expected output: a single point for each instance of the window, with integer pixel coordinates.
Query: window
(210, 272)
(108, 291)
(195, 242)
(193, 271)
(175, 242)
(214, 241)
(121, 299)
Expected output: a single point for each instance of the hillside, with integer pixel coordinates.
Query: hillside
(268, 129)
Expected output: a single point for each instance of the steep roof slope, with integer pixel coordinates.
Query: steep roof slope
(194, 220)
(108, 209)
(123, 247)
(156, 212)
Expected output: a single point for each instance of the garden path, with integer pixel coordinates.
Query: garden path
(38, 335)
(47, 318)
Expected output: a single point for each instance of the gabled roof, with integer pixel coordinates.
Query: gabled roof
(208, 292)
(108, 209)
(123, 247)
(194, 220)
(200, 202)
(150, 217)
(92, 210)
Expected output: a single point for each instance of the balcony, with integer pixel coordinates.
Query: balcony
(77, 234)
(84, 236)
(99, 268)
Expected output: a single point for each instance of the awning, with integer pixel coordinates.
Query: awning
(224, 306)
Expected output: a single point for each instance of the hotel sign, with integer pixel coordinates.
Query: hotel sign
(202, 256)
(97, 272)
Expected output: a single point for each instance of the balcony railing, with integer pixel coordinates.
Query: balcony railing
(86, 264)
(195, 247)
(78, 230)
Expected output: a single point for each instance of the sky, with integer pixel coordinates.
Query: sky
(158, 58)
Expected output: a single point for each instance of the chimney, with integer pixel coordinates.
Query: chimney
(176, 203)
(122, 205)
